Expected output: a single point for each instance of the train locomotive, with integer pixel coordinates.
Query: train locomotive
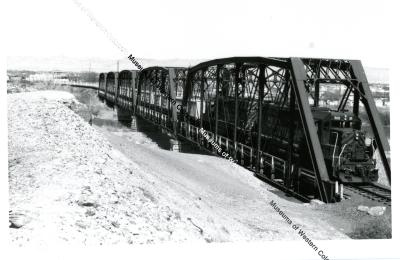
(267, 135)
(348, 152)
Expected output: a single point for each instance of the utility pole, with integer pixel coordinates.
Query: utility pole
(117, 65)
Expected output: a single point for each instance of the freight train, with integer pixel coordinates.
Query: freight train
(257, 111)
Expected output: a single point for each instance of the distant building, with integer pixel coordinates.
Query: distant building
(46, 76)
(15, 78)
(54, 76)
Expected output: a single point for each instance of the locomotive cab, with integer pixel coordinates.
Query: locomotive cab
(347, 151)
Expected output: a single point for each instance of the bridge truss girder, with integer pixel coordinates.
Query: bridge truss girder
(293, 82)
(223, 97)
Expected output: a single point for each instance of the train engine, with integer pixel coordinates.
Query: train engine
(348, 152)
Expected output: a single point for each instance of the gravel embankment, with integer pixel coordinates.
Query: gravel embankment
(68, 184)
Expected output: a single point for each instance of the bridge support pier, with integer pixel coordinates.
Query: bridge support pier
(124, 116)
(175, 145)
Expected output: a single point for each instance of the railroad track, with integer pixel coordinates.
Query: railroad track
(374, 192)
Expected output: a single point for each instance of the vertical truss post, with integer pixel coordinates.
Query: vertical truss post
(134, 91)
(144, 93)
(218, 82)
(148, 90)
(201, 97)
(116, 88)
(261, 84)
(237, 68)
(105, 87)
(163, 80)
(172, 92)
(292, 109)
(373, 115)
(185, 102)
(316, 93)
(316, 87)
(143, 89)
(310, 131)
(140, 91)
(356, 103)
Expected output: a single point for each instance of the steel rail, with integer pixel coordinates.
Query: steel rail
(374, 192)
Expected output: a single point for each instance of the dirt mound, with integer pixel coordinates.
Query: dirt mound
(67, 183)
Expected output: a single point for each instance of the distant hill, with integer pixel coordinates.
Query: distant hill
(84, 64)
(374, 75)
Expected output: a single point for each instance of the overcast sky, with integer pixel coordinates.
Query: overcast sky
(203, 29)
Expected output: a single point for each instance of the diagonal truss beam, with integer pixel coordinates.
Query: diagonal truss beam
(373, 115)
(310, 131)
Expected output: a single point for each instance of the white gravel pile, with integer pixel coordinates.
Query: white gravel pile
(67, 183)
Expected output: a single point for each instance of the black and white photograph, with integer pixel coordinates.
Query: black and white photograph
(214, 129)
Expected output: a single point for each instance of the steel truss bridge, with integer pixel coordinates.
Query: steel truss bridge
(259, 110)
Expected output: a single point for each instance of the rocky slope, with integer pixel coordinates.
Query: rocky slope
(69, 185)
